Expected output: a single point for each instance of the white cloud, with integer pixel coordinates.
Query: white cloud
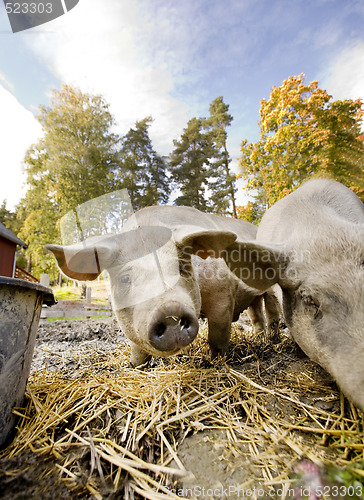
(18, 130)
(136, 55)
(5, 83)
(99, 47)
(345, 76)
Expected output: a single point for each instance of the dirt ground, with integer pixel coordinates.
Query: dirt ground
(216, 470)
(28, 475)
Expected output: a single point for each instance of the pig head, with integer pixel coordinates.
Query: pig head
(312, 244)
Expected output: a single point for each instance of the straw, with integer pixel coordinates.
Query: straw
(110, 427)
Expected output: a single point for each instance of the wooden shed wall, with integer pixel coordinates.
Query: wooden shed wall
(7, 255)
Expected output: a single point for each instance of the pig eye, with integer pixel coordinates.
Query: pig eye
(310, 303)
(125, 279)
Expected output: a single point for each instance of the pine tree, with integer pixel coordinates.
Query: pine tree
(143, 172)
(222, 185)
(189, 166)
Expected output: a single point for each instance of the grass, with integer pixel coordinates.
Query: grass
(99, 293)
(63, 318)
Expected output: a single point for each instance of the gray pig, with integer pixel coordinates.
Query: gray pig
(158, 292)
(312, 244)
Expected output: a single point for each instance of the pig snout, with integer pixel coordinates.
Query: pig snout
(172, 327)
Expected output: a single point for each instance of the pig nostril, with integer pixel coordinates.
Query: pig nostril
(160, 329)
(185, 323)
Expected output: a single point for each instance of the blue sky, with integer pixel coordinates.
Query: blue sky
(170, 59)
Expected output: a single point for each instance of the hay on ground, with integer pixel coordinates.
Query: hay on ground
(109, 427)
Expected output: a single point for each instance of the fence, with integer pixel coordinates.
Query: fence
(77, 309)
(22, 274)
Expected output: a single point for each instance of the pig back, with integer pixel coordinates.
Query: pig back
(317, 207)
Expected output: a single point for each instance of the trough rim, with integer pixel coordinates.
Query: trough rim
(48, 298)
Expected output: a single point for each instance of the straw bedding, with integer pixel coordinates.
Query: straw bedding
(93, 427)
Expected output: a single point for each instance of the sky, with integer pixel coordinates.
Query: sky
(170, 59)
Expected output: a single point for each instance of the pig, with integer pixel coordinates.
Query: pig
(163, 277)
(311, 243)
(224, 297)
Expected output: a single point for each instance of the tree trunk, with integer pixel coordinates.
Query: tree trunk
(29, 263)
(231, 186)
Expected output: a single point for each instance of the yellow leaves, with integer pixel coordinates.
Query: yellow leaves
(247, 212)
(303, 132)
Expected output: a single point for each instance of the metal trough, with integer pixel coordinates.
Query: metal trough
(20, 308)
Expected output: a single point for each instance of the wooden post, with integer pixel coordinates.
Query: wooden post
(44, 279)
(88, 295)
(88, 302)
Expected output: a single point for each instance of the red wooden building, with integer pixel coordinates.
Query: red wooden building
(8, 245)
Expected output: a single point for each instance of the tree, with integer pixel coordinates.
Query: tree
(80, 150)
(8, 218)
(303, 133)
(142, 172)
(189, 165)
(249, 212)
(75, 161)
(39, 227)
(223, 183)
(11, 220)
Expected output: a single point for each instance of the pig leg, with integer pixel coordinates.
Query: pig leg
(273, 313)
(138, 356)
(219, 335)
(256, 314)
(219, 317)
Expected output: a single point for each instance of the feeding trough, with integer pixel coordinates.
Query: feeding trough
(20, 308)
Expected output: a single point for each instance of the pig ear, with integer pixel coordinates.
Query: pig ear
(83, 261)
(259, 265)
(203, 242)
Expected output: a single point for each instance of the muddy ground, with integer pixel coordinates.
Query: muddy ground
(204, 453)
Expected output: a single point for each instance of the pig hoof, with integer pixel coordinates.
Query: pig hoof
(216, 352)
(274, 334)
(138, 358)
(258, 328)
(140, 366)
